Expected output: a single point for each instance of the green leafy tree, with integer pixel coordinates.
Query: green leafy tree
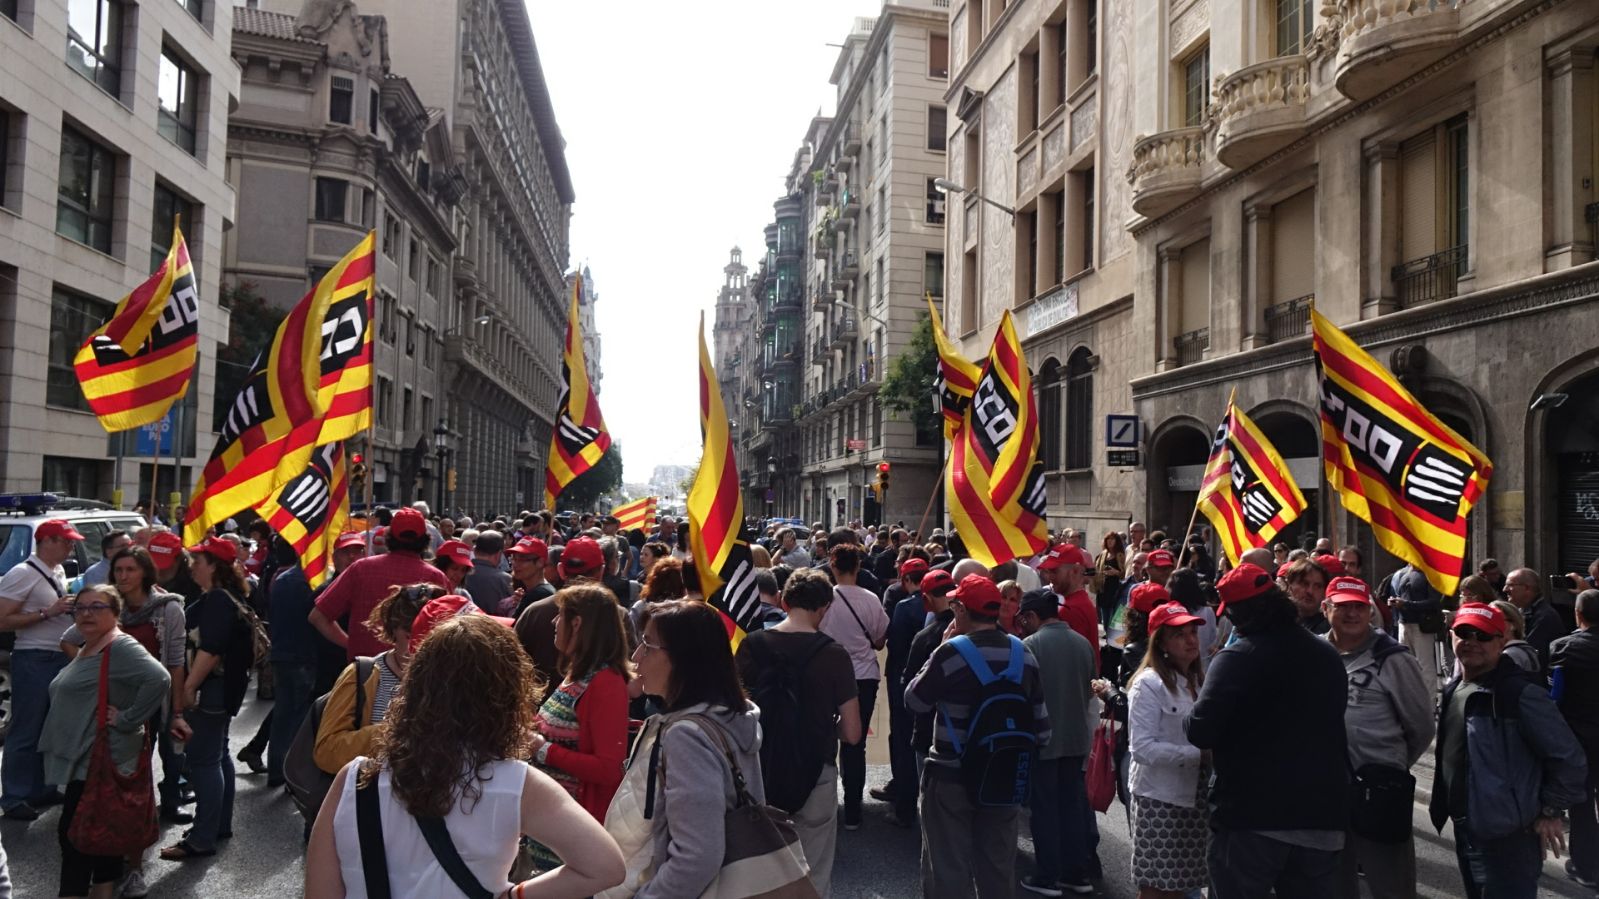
(687, 483)
(252, 323)
(588, 487)
(911, 381)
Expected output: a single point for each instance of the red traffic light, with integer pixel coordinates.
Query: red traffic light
(356, 458)
(882, 467)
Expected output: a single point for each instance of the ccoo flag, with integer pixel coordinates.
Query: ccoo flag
(313, 386)
(957, 378)
(138, 364)
(580, 437)
(1395, 465)
(636, 515)
(311, 511)
(995, 481)
(716, 513)
(1247, 494)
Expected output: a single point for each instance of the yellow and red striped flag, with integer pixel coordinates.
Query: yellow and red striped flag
(1393, 463)
(313, 386)
(1248, 493)
(312, 510)
(580, 436)
(138, 364)
(716, 514)
(995, 481)
(636, 515)
(957, 378)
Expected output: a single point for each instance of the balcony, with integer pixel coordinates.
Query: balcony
(1261, 109)
(791, 296)
(843, 331)
(846, 162)
(823, 243)
(821, 294)
(1166, 169)
(821, 353)
(1430, 278)
(851, 143)
(851, 205)
(1191, 346)
(821, 196)
(1288, 319)
(1382, 42)
(838, 222)
(847, 271)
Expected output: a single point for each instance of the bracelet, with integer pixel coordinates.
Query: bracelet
(543, 754)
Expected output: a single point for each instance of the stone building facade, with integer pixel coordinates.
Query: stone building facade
(105, 135)
(732, 352)
(590, 328)
(326, 133)
(1427, 178)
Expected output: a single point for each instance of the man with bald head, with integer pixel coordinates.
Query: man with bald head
(1260, 557)
(1524, 588)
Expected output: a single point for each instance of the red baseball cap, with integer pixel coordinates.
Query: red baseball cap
(1282, 570)
(221, 550)
(1330, 564)
(457, 552)
(165, 548)
(530, 546)
(937, 581)
(408, 524)
(582, 558)
(1171, 614)
(980, 595)
(349, 539)
(1146, 596)
(56, 527)
(443, 608)
(1161, 558)
(1481, 616)
(1348, 590)
(913, 567)
(1064, 554)
(1247, 581)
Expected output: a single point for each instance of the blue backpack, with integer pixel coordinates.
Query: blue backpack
(998, 748)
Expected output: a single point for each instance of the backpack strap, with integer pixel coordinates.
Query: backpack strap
(363, 670)
(975, 661)
(438, 837)
(369, 828)
(1018, 661)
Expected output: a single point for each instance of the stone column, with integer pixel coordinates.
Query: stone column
(1380, 234)
(1256, 288)
(1571, 153)
(1169, 306)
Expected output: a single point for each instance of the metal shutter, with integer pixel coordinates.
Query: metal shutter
(1196, 286)
(1418, 193)
(1293, 247)
(1577, 510)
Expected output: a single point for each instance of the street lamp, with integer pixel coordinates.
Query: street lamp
(771, 484)
(947, 186)
(441, 446)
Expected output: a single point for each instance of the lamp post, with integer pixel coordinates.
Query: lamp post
(441, 447)
(947, 186)
(771, 484)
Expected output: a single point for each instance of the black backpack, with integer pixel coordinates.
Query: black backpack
(791, 758)
(998, 748)
(308, 784)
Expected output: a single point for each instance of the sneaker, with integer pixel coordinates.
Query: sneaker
(1033, 885)
(1577, 878)
(852, 820)
(252, 758)
(133, 885)
(1082, 889)
(172, 814)
(884, 793)
(20, 812)
(50, 797)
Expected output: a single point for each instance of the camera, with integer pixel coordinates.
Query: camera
(1561, 582)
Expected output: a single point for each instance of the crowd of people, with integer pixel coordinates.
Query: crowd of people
(546, 706)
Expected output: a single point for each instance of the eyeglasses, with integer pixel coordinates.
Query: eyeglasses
(646, 647)
(1471, 633)
(91, 608)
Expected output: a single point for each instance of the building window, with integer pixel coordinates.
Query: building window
(433, 277)
(881, 281)
(168, 209)
(86, 195)
(196, 8)
(413, 260)
(974, 156)
(1434, 215)
(8, 8)
(8, 155)
(176, 93)
(1027, 99)
(424, 174)
(391, 233)
(386, 317)
(938, 56)
(1057, 205)
(72, 477)
(373, 108)
(1061, 57)
(882, 209)
(1049, 423)
(1091, 38)
(72, 319)
(1293, 271)
(407, 409)
(1080, 409)
(933, 274)
(94, 42)
(1196, 87)
(341, 100)
(935, 203)
(330, 199)
(385, 401)
(1295, 19)
(936, 123)
(1026, 254)
(427, 409)
(1086, 179)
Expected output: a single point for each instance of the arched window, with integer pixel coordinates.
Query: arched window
(1049, 421)
(1080, 409)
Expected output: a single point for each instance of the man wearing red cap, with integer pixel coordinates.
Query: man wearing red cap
(359, 589)
(964, 843)
(1276, 694)
(486, 582)
(935, 587)
(530, 560)
(581, 560)
(908, 616)
(1066, 567)
(34, 603)
(1508, 765)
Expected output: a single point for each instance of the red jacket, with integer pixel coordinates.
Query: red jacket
(601, 743)
(1079, 611)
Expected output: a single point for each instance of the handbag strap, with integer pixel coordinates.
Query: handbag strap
(438, 837)
(49, 579)
(105, 689)
(369, 827)
(714, 730)
(844, 598)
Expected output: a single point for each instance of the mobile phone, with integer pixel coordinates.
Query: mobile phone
(1561, 582)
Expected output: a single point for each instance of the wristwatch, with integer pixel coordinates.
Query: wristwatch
(1548, 812)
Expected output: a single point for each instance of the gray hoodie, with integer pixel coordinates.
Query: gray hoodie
(688, 834)
(1389, 719)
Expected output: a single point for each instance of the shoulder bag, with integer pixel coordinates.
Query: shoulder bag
(116, 815)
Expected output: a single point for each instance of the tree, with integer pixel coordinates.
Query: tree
(912, 378)
(252, 323)
(587, 488)
(687, 484)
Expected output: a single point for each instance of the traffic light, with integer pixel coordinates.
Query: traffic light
(450, 481)
(357, 468)
(882, 478)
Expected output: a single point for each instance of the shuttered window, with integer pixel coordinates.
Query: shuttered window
(1196, 286)
(1578, 510)
(1418, 197)
(1293, 247)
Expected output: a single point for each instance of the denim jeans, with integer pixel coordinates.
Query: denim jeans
(211, 775)
(852, 759)
(1501, 868)
(22, 767)
(292, 683)
(1585, 827)
(901, 758)
(173, 767)
(1062, 820)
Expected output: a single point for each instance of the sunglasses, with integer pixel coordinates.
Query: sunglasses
(1471, 633)
(91, 608)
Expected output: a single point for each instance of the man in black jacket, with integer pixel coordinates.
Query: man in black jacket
(1574, 666)
(1272, 715)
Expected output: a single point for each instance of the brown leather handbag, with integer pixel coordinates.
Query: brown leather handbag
(117, 814)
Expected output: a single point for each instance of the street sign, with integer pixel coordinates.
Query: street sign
(771, 495)
(854, 445)
(147, 436)
(1121, 431)
(1122, 458)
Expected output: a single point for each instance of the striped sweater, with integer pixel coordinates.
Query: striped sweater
(946, 684)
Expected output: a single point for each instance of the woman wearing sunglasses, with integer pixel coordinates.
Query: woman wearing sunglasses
(135, 687)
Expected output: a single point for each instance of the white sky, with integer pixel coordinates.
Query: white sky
(681, 121)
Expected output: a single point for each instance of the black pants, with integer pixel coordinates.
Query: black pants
(172, 762)
(78, 869)
(1245, 865)
(901, 758)
(852, 759)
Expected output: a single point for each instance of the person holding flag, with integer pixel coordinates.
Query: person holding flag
(580, 438)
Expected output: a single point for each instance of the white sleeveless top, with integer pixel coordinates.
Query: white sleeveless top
(486, 837)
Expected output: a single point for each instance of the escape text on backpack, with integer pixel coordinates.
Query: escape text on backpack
(998, 748)
(791, 758)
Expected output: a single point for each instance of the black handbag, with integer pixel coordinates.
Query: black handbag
(1382, 802)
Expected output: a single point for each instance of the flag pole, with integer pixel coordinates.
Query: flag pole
(155, 468)
(936, 491)
(1186, 531)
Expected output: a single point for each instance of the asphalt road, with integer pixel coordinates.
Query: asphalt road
(879, 861)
